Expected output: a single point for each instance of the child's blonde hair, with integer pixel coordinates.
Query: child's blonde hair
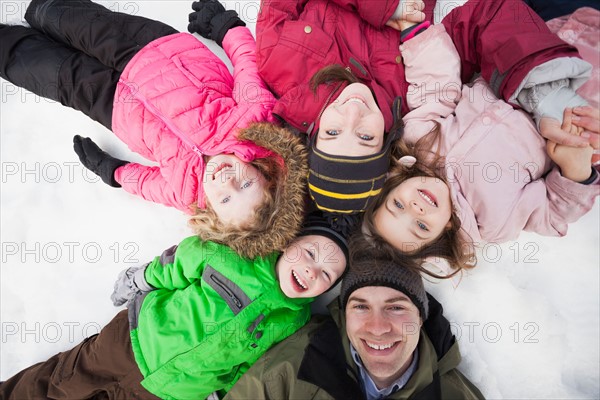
(279, 217)
(454, 244)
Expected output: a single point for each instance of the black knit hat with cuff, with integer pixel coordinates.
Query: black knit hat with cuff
(378, 272)
(317, 224)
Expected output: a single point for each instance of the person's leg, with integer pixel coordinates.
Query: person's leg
(102, 366)
(550, 9)
(111, 37)
(502, 39)
(31, 60)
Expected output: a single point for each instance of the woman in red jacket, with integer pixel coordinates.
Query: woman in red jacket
(358, 41)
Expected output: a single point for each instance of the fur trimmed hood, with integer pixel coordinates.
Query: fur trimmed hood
(290, 198)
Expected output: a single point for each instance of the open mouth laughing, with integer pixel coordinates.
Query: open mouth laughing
(220, 169)
(297, 283)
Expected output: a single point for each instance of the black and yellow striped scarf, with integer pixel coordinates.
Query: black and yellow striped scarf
(346, 185)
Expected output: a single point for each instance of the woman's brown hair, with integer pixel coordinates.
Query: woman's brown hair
(330, 74)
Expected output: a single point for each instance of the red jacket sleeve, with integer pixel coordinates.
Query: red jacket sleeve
(375, 12)
(378, 12)
(504, 40)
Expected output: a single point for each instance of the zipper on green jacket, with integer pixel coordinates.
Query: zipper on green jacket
(232, 296)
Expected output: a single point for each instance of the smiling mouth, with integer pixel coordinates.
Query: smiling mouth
(299, 285)
(428, 197)
(380, 349)
(376, 346)
(219, 170)
(358, 100)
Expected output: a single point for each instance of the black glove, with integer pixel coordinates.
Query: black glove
(211, 21)
(96, 160)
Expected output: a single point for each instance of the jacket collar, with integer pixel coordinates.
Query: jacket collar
(324, 365)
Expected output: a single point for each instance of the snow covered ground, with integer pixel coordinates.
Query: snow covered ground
(527, 317)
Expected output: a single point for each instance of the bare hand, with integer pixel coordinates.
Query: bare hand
(412, 14)
(574, 162)
(551, 129)
(588, 118)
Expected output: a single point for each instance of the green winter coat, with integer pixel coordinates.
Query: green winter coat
(212, 316)
(315, 363)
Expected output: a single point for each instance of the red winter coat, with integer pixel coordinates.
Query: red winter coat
(296, 38)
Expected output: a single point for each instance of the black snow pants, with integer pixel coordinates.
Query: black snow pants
(74, 52)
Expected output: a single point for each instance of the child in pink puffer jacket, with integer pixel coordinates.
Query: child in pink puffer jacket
(471, 168)
(171, 100)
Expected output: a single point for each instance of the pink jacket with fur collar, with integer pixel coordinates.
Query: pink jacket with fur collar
(176, 102)
(501, 178)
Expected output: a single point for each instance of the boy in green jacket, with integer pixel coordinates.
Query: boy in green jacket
(198, 317)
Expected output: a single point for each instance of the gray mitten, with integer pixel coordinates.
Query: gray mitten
(130, 282)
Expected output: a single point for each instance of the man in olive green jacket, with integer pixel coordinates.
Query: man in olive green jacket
(388, 339)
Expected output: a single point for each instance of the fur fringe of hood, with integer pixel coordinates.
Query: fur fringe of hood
(289, 210)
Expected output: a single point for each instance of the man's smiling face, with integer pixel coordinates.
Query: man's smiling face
(383, 325)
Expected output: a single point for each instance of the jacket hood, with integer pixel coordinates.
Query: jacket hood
(338, 315)
(288, 213)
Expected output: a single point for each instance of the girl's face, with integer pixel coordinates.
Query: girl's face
(309, 266)
(352, 125)
(233, 188)
(415, 213)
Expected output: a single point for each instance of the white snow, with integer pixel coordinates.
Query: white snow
(527, 317)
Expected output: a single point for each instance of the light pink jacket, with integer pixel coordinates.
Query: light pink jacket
(176, 102)
(501, 178)
(582, 30)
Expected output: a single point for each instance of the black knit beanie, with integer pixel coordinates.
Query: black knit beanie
(377, 272)
(318, 224)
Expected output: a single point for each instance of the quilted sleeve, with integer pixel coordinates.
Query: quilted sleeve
(249, 87)
(149, 183)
